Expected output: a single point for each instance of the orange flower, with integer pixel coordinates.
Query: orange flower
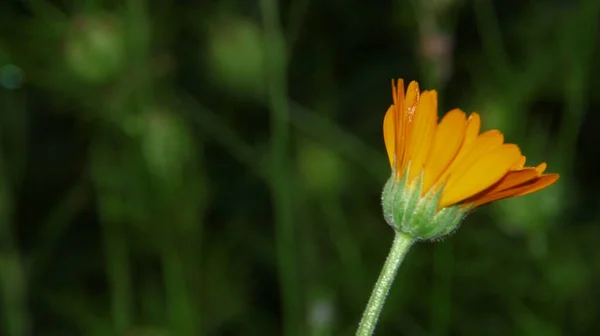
(450, 160)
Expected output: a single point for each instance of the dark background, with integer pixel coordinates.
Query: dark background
(215, 167)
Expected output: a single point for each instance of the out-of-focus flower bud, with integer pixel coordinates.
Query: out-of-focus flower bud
(321, 168)
(167, 143)
(236, 56)
(95, 48)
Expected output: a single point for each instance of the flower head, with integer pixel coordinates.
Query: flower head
(441, 171)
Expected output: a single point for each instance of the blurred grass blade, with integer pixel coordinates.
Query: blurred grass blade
(289, 278)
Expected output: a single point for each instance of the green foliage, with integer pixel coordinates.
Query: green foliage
(197, 168)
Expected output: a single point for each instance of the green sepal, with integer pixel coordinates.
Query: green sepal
(405, 210)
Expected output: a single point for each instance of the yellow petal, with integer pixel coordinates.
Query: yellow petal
(486, 170)
(470, 152)
(389, 134)
(425, 122)
(519, 164)
(447, 141)
(473, 126)
(541, 168)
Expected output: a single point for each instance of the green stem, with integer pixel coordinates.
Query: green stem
(13, 287)
(119, 273)
(400, 247)
(489, 28)
(276, 79)
(179, 307)
(442, 287)
(115, 237)
(348, 251)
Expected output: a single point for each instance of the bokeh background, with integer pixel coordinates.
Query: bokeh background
(214, 167)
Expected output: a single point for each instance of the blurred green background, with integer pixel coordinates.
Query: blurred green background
(215, 167)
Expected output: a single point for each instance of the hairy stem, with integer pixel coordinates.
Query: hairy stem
(400, 247)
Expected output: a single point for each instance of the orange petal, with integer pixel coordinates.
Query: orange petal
(486, 170)
(512, 179)
(523, 189)
(448, 138)
(411, 101)
(389, 134)
(543, 182)
(398, 96)
(423, 131)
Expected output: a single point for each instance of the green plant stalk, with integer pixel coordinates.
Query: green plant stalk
(276, 78)
(119, 274)
(578, 54)
(400, 247)
(442, 287)
(179, 307)
(12, 273)
(493, 46)
(342, 239)
(54, 226)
